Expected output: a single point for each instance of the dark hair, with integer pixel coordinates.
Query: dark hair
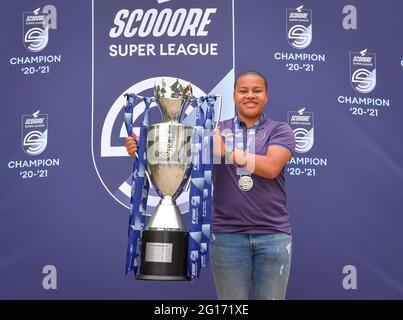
(252, 72)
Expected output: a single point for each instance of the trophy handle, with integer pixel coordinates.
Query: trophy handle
(219, 111)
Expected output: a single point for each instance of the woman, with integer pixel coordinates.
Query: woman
(250, 241)
(251, 235)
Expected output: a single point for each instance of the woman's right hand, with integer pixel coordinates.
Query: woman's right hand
(131, 144)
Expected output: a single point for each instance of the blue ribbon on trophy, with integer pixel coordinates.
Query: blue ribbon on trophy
(140, 185)
(170, 157)
(245, 181)
(196, 193)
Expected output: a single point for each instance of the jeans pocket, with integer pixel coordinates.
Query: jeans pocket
(282, 235)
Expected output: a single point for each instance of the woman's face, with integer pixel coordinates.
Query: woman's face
(250, 96)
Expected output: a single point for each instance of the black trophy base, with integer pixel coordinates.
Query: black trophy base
(164, 256)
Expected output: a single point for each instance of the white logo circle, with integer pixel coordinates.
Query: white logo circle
(303, 142)
(366, 82)
(301, 35)
(36, 142)
(37, 39)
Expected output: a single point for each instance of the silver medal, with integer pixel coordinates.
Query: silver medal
(245, 183)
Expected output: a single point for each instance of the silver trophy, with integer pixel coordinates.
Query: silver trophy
(165, 238)
(164, 241)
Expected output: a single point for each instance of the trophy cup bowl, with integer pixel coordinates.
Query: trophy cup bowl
(164, 246)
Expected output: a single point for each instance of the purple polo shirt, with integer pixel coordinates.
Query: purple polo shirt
(263, 208)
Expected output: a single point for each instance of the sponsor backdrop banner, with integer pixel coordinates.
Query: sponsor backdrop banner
(335, 75)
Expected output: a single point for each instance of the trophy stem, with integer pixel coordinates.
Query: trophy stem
(166, 216)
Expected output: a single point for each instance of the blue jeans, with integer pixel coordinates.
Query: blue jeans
(239, 260)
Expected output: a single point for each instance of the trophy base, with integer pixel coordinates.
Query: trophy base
(164, 255)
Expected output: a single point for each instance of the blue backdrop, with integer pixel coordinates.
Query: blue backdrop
(335, 75)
